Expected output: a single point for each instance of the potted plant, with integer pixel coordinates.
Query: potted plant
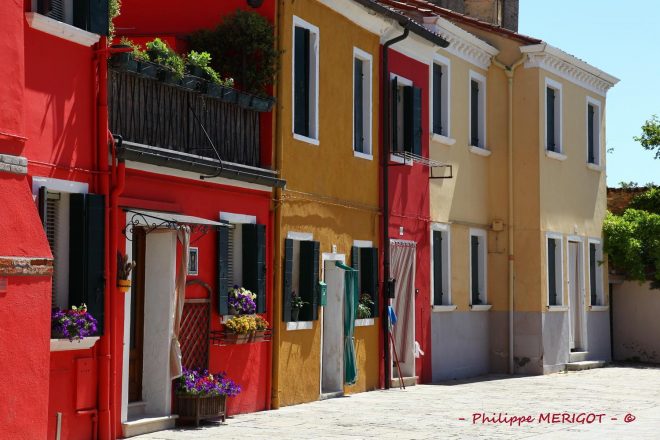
(124, 268)
(222, 89)
(124, 60)
(239, 328)
(200, 395)
(74, 324)
(261, 326)
(364, 306)
(297, 303)
(174, 66)
(241, 301)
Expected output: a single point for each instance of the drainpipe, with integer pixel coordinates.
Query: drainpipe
(385, 152)
(509, 71)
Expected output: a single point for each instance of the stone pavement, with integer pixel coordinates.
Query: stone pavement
(436, 411)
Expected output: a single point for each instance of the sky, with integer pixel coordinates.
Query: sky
(621, 38)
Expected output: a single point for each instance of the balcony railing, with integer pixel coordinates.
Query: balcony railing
(152, 113)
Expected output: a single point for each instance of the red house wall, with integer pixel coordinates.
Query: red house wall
(410, 209)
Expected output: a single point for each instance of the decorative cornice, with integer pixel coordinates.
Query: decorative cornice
(26, 266)
(568, 67)
(462, 43)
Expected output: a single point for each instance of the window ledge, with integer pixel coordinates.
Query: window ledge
(444, 308)
(401, 160)
(363, 155)
(594, 167)
(309, 140)
(300, 325)
(599, 308)
(60, 29)
(442, 139)
(557, 308)
(66, 345)
(479, 151)
(555, 155)
(364, 322)
(480, 307)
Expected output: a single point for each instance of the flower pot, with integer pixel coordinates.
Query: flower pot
(295, 313)
(169, 77)
(148, 69)
(198, 408)
(236, 338)
(198, 72)
(124, 285)
(262, 104)
(222, 93)
(258, 335)
(123, 60)
(190, 82)
(244, 100)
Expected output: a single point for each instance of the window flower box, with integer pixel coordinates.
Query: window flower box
(67, 345)
(198, 408)
(201, 396)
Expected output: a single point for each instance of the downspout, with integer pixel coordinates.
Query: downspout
(509, 71)
(277, 227)
(385, 152)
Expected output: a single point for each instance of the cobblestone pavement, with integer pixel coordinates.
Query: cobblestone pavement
(436, 411)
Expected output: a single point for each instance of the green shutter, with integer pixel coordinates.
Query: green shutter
(301, 81)
(43, 206)
(437, 268)
(355, 257)
(309, 279)
(254, 262)
(223, 262)
(550, 119)
(590, 134)
(358, 107)
(416, 108)
(287, 280)
(474, 113)
(408, 119)
(592, 274)
(44, 6)
(474, 270)
(87, 253)
(369, 276)
(92, 16)
(437, 99)
(395, 116)
(552, 272)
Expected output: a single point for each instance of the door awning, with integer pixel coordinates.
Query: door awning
(152, 220)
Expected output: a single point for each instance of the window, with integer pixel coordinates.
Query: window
(406, 116)
(89, 15)
(596, 273)
(241, 259)
(593, 131)
(553, 116)
(555, 270)
(301, 275)
(440, 96)
(362, 106)
(305, 81)
(365, 260)
(440, 265)
(477, 106)
(74, 223)
(478, 261)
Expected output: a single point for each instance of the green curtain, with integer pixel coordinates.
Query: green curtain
(350, 313)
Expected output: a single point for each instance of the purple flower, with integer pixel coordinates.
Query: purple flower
(74, 324)
(202, 383)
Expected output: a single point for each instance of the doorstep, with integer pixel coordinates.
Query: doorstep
(577, 356)
(147, 424)
(584, 365)
(407, 381)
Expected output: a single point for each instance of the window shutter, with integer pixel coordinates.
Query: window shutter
(254, 262)
(437, 268)
(475, 270)
(99, 17)
(223, 264)
(552, 272)
(590, 133)
(43, 206)
(44, 6)
(309, 279)
(369, 276)
(474, 113)
(48, 214)
(437, 99)
(395, 115)
(301, 81)
(550, 118)
(86, 253)
(355, 257)
(408, 119)
(417, 121)
(592, 274)
(358, 107)
(287, 280)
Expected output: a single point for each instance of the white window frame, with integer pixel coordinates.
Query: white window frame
(367, 103)
(297, 237)
(401, 82)
(481, 79)
(445, 137)
(597, 138)
(483, 266)
(61, 29)
(559, 269)
(559, 112)
(447, 303)
(315, 36)
(600, 291)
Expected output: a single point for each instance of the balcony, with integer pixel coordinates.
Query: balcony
(179, 127)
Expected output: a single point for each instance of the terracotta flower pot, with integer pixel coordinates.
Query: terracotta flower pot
(124, 285)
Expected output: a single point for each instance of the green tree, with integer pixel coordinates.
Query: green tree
(650, 138)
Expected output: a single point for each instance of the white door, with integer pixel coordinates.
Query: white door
(332, 375)
(575, 303)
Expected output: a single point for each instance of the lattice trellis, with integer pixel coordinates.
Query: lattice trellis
(194, 337)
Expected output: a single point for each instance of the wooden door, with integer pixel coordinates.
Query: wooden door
(137, 318)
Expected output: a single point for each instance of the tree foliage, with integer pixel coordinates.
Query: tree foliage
(650, 138)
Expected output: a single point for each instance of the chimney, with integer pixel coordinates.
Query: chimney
(502, 13)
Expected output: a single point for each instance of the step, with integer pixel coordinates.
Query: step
(332, 395)
(407, 381)
(147, 424)
(584, 365)
(578, 356)
(136, 410)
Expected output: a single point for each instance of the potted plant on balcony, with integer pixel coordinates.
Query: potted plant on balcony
(200, 395)
(239, 328)
(124, 268)
(198, 65)
(364, 306)
(297, 303)
(124, 60)
(241, 301)
(162, 54)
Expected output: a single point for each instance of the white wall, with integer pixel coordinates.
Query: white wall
(635, 326)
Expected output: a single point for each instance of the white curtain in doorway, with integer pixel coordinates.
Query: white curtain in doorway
(176, 369)
(402, 269)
